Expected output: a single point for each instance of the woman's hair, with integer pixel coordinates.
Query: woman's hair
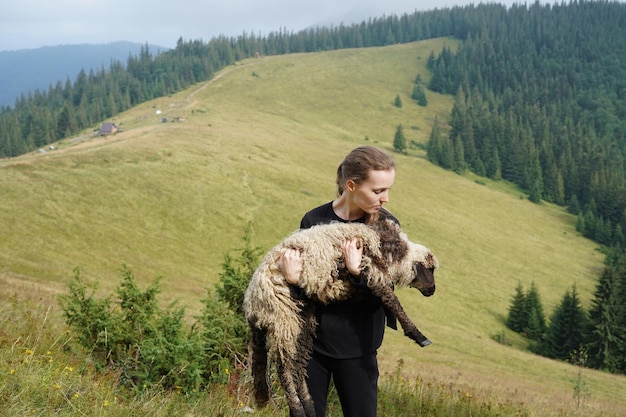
(358, 164)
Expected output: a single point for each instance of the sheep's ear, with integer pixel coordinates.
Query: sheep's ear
(432, 261)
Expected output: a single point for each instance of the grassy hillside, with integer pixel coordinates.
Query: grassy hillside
(260, 144)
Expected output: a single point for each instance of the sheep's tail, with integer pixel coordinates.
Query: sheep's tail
(259, 366)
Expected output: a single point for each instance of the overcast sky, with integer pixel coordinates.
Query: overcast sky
(28, 24)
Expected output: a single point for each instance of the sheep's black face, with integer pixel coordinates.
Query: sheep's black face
(423, 279)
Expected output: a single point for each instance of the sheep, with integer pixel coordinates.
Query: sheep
(283, 324)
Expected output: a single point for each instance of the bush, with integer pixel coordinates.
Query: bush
(145, 344)
(149, 346)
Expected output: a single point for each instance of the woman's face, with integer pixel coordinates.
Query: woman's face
(370, 195)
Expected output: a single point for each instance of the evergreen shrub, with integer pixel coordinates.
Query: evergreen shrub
(150, 346)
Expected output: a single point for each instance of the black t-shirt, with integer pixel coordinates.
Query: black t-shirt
(351, 328)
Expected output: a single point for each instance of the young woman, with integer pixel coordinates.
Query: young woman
(350, 332)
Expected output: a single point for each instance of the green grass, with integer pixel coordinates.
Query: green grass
(41, 374)
(260, 143)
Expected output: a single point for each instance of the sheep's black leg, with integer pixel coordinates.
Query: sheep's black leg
(288, 376)
(305, 397)
(391, 301)
(259, 366)
(305, 341)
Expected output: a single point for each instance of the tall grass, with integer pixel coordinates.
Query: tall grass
(41, 374)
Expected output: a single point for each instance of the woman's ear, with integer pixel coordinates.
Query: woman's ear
(350, 185)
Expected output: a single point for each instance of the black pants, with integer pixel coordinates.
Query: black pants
(356, 382)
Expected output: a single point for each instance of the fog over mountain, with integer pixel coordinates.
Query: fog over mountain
(26, 70)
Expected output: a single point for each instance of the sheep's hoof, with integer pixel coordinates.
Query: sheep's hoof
(425, 343)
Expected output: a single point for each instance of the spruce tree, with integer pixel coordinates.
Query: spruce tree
(446, 153)
(399, 141)
(517, 318)
(66, 123)
(433, 147)
(568, 328)
(536, 324)
(459, 164)
(419, 95)
(604, 346)
(620, 314)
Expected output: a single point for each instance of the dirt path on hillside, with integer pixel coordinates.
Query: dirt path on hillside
(191, 97)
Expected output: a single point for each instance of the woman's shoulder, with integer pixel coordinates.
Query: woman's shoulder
(317, 215)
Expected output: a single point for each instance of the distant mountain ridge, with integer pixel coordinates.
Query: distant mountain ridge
(26, 70)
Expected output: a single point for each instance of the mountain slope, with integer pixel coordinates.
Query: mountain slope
(260, 143)
(26, 70)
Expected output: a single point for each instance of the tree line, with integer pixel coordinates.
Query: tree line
(40, 117)
(541, 102)
(595, 337)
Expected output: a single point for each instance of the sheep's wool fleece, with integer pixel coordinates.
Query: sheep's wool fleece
(321, 254)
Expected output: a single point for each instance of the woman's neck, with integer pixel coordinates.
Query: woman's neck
(343, 208)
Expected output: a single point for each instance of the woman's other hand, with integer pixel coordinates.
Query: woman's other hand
(290, 264)
(352, 251)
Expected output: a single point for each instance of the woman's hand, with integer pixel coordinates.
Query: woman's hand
(290, 264)
(352, 251)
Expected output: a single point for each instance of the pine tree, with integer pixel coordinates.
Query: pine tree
(517, 318)
(66, 123)
(459, 156)
(536, 325)
(603, 315)
(446, 153)
(398, 101)
(573, 206)
(419, 95)
(494, 167)
(568, 328)
(433, 147)
(620, 314)
(399, 141)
